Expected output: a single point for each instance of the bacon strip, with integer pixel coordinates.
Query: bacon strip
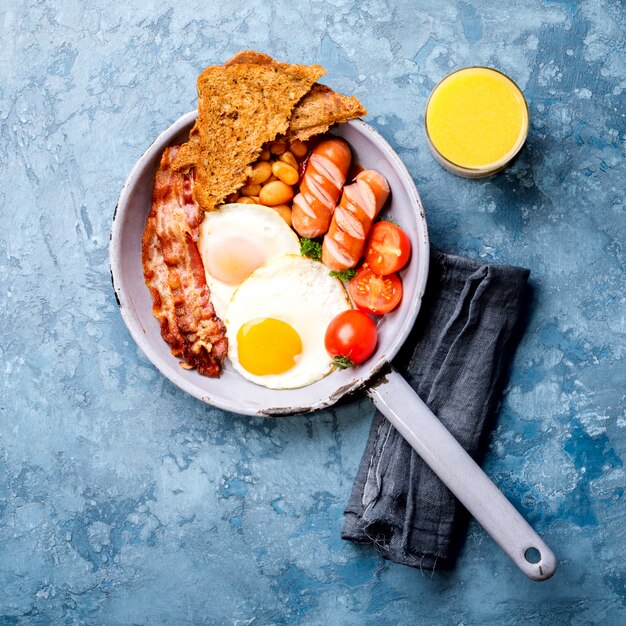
(174, 273)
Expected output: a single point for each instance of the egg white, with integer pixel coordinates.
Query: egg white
(262, 226)
(301, 293)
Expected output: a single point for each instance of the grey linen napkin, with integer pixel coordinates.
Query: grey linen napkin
(456, 358)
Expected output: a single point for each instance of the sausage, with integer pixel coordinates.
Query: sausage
(360, 204)
(320, 188)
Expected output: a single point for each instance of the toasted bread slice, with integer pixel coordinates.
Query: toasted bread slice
(320, 109)
(190, 152)
(240, 107)
(238, 87)
(251, 56)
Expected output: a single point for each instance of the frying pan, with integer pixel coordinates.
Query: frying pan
(391, 394)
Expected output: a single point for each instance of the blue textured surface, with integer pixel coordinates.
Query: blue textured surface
(124, 501)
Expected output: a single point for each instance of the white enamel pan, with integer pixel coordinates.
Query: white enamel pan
(385, 387)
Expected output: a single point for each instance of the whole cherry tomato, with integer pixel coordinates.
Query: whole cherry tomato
(351, 338)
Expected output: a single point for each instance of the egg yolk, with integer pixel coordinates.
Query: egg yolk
(268, 346)
(232, 259)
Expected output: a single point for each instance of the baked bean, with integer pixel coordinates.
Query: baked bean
(284, 210)
(261, 171)
(276, 192)
(288, 157)
(299, 148)
(265, 155)
(255, 199)
(245, 200)
(278, 146)
(283, 171)
(233, 197)
(250, 189)
(271, 179)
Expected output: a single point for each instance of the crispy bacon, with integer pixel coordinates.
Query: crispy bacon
(174, 272)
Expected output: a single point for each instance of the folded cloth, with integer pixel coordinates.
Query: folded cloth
(456, 358)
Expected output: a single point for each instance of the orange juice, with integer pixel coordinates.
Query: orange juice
(476, 121)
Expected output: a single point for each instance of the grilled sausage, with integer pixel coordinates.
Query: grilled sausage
(360, 204)
(320, 188)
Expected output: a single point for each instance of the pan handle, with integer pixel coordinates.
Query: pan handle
(397, 401)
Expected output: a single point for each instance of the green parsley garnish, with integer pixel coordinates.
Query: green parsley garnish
(387, 218)
(342, 362)
(310, 248)
(345, 275)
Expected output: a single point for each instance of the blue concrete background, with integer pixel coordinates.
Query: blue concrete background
(124, 501)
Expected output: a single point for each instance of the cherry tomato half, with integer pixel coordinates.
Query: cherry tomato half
(388, 248)
(373, 293)
(352, 337)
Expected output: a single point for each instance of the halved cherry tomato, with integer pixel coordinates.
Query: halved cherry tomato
(388, 248)
(373, 293)
(351, 338)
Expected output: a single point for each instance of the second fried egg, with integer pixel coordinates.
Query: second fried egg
(277, 319)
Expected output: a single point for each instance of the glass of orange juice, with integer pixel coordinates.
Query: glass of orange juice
(476, 121)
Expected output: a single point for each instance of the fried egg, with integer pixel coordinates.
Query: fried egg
(237, 239)
(277, 319)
